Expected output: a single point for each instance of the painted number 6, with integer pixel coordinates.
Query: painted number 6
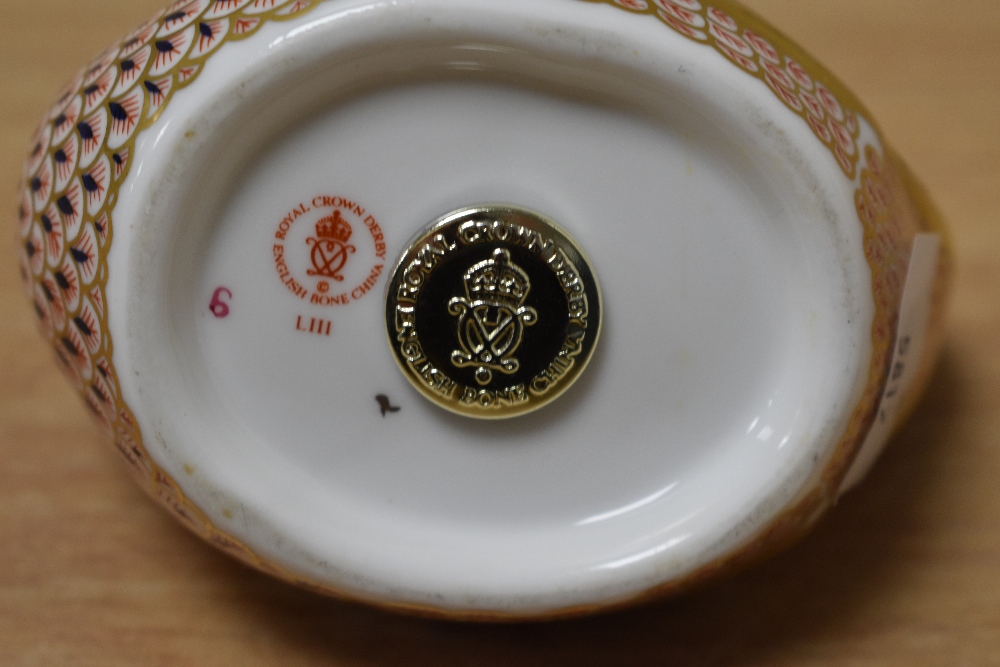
(219, 307)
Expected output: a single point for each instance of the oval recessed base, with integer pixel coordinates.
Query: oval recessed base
(734, 302)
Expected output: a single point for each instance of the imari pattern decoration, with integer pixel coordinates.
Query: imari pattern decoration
(80, 156)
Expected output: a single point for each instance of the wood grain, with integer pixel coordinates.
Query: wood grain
(906, 571)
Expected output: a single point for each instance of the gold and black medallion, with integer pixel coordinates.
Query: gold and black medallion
(493, 311)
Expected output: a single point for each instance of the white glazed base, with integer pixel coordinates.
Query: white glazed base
(737, 302)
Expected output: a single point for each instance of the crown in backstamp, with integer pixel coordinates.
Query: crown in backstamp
(334, 228)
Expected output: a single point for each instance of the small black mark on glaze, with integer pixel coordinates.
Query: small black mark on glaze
(385, 405)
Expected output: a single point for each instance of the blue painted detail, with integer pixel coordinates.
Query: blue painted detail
(118, 112)
(82, 326)
(65, 205)
(68, 344)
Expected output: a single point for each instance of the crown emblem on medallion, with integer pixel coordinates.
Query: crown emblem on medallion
(334, 228)
(492, 316)
(497, 280)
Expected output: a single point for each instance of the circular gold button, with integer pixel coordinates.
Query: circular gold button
(493, 312)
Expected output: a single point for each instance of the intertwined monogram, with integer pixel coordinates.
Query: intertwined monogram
(492, 316)
(330, 249)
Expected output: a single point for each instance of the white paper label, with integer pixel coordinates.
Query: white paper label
(913, 314)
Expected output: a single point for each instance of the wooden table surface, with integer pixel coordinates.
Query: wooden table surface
(905, 571)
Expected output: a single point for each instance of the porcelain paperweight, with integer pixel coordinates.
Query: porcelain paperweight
(481, 309)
